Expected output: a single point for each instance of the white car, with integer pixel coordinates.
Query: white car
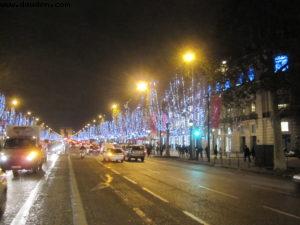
(296, 178)
(113, 154)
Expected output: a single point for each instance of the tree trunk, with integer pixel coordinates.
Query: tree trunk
(279, 159)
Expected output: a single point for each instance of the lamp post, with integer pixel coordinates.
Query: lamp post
(191, 125)
(188, 58)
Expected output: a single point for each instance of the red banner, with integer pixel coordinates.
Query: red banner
(215, 113)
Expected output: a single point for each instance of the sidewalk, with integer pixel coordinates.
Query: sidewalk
(234, 161)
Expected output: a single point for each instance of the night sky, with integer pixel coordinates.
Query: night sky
(68, 64)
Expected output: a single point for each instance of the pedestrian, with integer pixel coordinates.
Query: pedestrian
(197, 153)
(216, 151)
(207, 152)
(149, 150)
(221, 152)
(247, 154)
(201, 152)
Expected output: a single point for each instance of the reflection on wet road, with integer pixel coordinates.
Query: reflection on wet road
(156, 192)
(22, 192)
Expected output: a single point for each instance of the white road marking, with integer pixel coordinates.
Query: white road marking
(155, 195)
(141, 214)
(219, 192)
(195, 218)
(22, 215)
(130, 180)
(268, 189)
(281, 212)
(77, 208)
(116, 172)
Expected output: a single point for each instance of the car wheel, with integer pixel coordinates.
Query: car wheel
(142, 159)
(15, 173)
(136, 159)
(121, 161)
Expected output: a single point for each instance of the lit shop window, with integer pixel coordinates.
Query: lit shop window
(253, 107)
(281, 63)
(285, 126)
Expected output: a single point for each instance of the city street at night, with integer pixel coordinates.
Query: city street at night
(140, 112)
(158, 191)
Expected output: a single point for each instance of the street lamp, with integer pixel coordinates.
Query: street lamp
(142, 86)
(189, 57)
(29, 113)
(15, 102)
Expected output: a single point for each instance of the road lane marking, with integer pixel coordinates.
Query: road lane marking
(23, 213)
(155, 195)
(219, 192)
(281, 212)
(141, 214)
(116, 172)
(195, 218)
(130, 180)
(77, 208)
(269, 189)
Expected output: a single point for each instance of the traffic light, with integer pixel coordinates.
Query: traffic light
(196, 132)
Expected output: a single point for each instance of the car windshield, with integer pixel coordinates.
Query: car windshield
(137, 148)
(19, 143)
(115, 150)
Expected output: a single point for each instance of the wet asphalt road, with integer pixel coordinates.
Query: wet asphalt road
(159, 191)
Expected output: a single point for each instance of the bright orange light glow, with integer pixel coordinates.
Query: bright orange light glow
(189, 57)
(142, 86)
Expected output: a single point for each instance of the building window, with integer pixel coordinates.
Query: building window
(253, 128)
(281, 63)
(282, 106)
(284, 126)
(253, 107)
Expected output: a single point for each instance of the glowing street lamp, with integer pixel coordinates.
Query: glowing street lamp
(29, 113)
(142, 86)
(114, 106)
(15, 102)
(189, 57)
(37, 119)
(94, 121)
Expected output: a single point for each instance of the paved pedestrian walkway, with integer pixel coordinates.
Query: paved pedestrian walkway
(236, 161)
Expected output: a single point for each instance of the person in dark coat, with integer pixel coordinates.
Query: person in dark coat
(247, 154)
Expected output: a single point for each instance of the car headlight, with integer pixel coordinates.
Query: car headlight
(3, 158)
(32, 155)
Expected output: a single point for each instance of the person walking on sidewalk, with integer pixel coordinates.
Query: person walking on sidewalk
(247, 154)
(201, 152)
(216, 151)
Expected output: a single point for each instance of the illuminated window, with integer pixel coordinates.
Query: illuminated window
(282, 106)
(227, 84)
(281, 63)
(218, 87)
(253, 107)
(253, 128)
(285, 126)
(251, 74)
(240, 80)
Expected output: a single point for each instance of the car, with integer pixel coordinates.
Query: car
(21, 153)
(113, 155)
(296, 178)
(3, 191)
(135, 152)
